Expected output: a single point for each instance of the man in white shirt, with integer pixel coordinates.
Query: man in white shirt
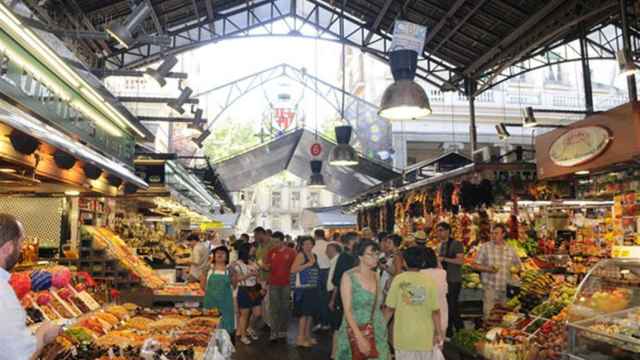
(199, 258)
(16, 341)
(322, 320)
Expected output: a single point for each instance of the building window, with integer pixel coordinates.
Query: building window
(276, 199)
(295, 221)
(295, 200)
(314, 199)
(275, 223)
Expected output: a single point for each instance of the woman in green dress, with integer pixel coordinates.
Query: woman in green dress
(218, 291)
(359, 291)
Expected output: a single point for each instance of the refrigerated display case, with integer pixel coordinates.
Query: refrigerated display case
(604, 319)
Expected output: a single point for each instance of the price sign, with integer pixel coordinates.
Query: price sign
(315, 149)
(625, 252)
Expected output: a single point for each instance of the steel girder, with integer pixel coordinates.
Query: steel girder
(304, 17)
(359, 113)
(300, 17)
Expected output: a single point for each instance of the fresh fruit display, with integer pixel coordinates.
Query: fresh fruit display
(549, 342)
(536, 283)
(467, 339)
(471, 280)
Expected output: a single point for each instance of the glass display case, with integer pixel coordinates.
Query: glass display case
(604, 320)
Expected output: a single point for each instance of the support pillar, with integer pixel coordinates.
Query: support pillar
(471, 87)
(586, 75)
(626, 41)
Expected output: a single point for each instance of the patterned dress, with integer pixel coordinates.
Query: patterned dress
(361, 302)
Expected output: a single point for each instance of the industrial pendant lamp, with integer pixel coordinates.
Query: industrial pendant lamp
(316, 180)
(160, 74)
(123, 32)
(626, 66)
(404, 99)
(503, 133)
(177, 105)
(528, 118)
(343, 154)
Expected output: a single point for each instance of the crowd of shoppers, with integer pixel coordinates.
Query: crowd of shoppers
(379, 294)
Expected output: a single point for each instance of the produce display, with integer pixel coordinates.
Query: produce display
(192, 289)
(127, 330)
(119, 250)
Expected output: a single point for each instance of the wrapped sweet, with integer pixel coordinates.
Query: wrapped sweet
(60, 277)
(43, 298)
(40, 280)
(21, 284)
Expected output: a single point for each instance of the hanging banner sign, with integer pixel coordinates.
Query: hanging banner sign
(408, 36)
(283, 118)
(315, 150)
(580, 145)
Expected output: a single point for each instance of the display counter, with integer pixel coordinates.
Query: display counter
(605, 317)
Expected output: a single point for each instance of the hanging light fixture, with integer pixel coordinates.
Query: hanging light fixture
(501, 130)
(626, 66)
(181, 100)
(123, 32)
(160, 74)
(200, 139)
(343, 154)
(316, 180)
(404, 99)
(528, 118)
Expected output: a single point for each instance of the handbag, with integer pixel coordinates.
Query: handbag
(367, 331)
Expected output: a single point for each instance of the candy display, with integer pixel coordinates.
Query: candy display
(118, 249)
(177, 334)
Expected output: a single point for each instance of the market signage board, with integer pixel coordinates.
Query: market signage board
(580, 145)
(596, 142)
(408, 36)
(626, 252)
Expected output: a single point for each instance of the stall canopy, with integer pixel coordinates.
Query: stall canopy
(327, 218)
(291, 152)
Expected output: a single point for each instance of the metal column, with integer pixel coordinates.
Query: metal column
(586, 74)
(626, 41)
(471, 87)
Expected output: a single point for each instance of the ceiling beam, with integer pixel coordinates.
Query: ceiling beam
(558, 23)
(168, 119)
(210, 16)
(376, 23)
(459, 25)
(443, 21)
(513, 36)
(154, 100)
(88, 24)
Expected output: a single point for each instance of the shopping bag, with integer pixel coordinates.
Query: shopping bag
(435, 354)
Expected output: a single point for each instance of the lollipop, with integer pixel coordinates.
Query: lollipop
(60, 277)
(43, 298)
(40, 280)
(21, 284)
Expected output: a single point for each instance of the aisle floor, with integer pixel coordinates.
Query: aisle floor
(262, 349)
(265, 350)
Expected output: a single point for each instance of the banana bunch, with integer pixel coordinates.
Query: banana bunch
(536, 283)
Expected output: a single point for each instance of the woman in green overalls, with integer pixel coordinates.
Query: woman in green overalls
(218, 290)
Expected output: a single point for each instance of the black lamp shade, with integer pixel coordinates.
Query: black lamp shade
(130, 188)
(343, 134)
(316, 166)
(64, 160)
(403, 64)
(114, 180)
(23, 143)
(316, 181)
(91, 171)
